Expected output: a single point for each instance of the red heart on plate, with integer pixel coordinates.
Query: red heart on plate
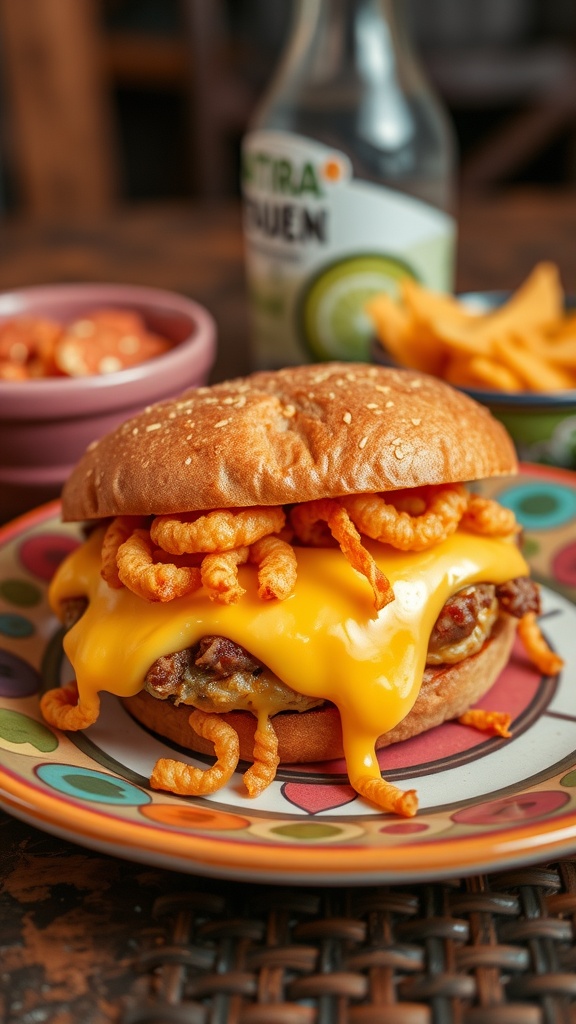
(313, 798)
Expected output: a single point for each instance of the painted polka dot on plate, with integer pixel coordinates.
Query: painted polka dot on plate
(17, 677)
(540, 506)
(94, 786)
(20, 593)
(563, 565)
(15, 626)
(42, 554)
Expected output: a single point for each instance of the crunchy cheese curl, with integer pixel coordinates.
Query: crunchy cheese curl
(153, 581)
(220, 530)
(117, 532)
(304, 519)
(496, 722)
(266, 760)
(62, 708)
(379, 517)
(277, 567)
(387, 796)
(536, 647)
(184, 779)
(486, 516)
(219, 573)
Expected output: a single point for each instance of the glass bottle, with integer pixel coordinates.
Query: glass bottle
(347, 181)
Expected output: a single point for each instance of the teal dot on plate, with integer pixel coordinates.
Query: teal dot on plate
(86, 784)
(15, 626)
(540, 506)
(20, 593)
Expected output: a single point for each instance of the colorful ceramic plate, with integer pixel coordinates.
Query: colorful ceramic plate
(486, 803)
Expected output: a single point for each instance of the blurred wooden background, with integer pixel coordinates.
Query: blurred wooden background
(119, 101)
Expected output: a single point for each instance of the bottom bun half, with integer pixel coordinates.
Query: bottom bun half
(447, 691)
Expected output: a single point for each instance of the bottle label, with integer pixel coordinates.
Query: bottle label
(320, 243)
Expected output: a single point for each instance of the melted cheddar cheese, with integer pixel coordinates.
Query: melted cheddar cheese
(324, 641)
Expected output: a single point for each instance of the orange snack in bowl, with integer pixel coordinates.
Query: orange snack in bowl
(103, 341)
(526, 344)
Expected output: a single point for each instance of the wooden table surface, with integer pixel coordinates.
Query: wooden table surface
(197, 250)
(75, 924)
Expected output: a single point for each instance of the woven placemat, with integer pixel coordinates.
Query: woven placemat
(491, 949)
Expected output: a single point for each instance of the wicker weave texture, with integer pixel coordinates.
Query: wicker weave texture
(498, 949)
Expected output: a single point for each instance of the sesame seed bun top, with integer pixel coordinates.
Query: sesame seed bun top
(293, 435)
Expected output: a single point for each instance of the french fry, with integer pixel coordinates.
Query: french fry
(537, 373)
(527, 344)
(394, 327)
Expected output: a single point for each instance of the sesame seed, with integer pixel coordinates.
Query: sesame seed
(372, 405)
(389, 404)
(347, 417)
(399, 453)
(383, 388)
(363, 442)
(109, 364)
(134, 431)
(228, 401)
(331, 395)
(187, 461)
(222, 423)
(417, 422)
(239, 402)
(153, 426)
(289, 411)
(189, 437)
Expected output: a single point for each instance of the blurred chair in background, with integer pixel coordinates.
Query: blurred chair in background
(108, 101)
(61, 67)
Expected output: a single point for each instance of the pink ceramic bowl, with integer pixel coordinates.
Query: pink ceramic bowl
(46, 424)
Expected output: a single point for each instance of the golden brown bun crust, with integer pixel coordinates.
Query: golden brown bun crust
(447, 692)
(293, 435)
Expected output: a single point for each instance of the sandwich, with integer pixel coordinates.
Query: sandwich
(294, 566)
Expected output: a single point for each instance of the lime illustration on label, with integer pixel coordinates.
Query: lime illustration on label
(332, 320)
(320, 243)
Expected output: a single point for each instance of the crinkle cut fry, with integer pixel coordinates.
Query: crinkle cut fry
(277, 567)
(219, 572)
(266, 760)
(305, 516)
(378, 517)
(185, 780)
(62, 708)
(153, 581)
(219, 530)
(386, 796)
(546, 660)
